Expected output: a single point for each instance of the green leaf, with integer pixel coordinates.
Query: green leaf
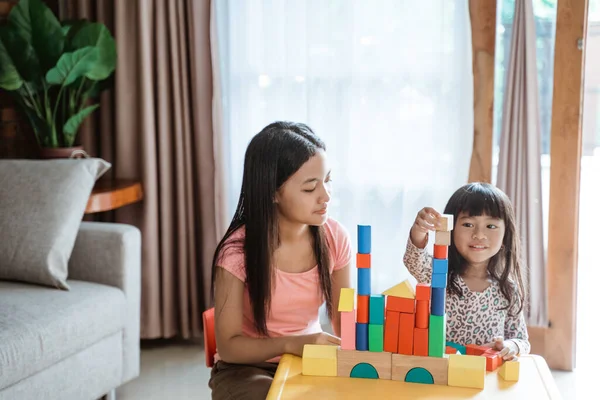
(37, 25)
(70, 29)
(72, 125)
(73, 65)
(22, 54)
(9, 76)
(97, 35)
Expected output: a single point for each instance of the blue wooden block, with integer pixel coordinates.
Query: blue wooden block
(438, 301)
(459, 347)
(376, 309)
(362, 337)
(438, 280)
(364, 281)
(440, 266)
(364, 239)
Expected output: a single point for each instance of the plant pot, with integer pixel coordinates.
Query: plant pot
(49, 153)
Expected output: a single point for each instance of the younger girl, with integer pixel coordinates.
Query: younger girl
(485, 293)
(279, 261)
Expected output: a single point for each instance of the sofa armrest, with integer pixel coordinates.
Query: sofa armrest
(110, 254)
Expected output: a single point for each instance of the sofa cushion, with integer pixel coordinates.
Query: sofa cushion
(42, 205)
(40, 326)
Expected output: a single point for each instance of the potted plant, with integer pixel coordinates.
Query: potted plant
(53, 69)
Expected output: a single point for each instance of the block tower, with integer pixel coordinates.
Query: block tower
(401, 334)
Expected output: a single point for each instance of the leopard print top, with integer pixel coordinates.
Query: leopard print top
(474, 317)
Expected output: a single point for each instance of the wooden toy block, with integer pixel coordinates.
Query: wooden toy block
(422, 314)
(319, 360)
(346, 300)
(390, 336)
(423, 291)
(348, 330)
(442, 238)
(440, 251)
(509, 371)
(362, 309)
(451, 350)
(364, 281)
(363, 260)
(400, 304)
(437, 367)
(403, 289)
(421, 342)
(364, 239)
(439, 280)
(437, 335)
(375, 337)
(376, 309)
(447, 222)
(347, 360)
(362, 337)
(492, 360)
(476, 350)
(438, 301)
(440, 266)
(466, 371)
(459, 347)
(406, 331)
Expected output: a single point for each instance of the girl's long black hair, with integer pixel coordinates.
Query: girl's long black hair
(477, 199)
(272, 156)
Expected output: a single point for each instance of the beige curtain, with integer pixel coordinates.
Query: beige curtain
(156, 126)
(519, 170)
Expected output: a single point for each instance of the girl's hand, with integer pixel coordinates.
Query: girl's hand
(428, 219)
(508, 349)
(296, 343)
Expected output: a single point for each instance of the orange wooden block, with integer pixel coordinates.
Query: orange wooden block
(348, 330)
(363, 260)
(390, 333)
(476, 350)
(406, 333)
(492, 360)
(362, 309)
(422, 318)
(451, 350)
(423, 291)
(421, 342)
(440, 251)
(400, 304)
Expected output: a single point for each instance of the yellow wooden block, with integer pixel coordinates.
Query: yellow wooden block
(319, 360)
(509, 371)
(403, 289)
(466, 371)
(443, 238)
(346, 300)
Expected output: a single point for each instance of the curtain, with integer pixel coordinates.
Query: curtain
(387, 84)
(155, 125)
(519, 167)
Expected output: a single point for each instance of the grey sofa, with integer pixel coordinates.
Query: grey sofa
(78, 344)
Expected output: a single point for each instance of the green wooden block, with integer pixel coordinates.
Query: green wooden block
(375, 337)
(462, 349)
(376, 309)
(437, 335)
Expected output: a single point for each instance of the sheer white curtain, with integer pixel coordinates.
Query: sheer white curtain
(386, 83)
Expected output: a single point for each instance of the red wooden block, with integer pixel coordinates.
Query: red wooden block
(423, 291)
(363, 260)
(440, 252)
(406, 333)
(422, 319)
(400, 304)
(421, 342)
(451, 350)
(362, 309)
(390, 332)
(492, 360)
(475, 350)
